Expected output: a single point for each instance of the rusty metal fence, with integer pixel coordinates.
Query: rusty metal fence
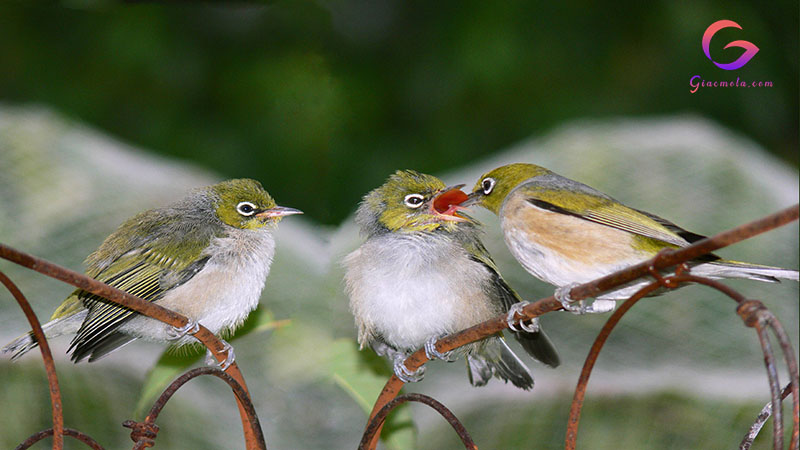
(753, 313)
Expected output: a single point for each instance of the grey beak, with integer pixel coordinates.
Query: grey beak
(279, 211)
(472, 198)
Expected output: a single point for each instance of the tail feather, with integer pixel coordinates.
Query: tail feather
(54, 328)
(540, 347)
(21, 345)
(736, 269)
(496, 359)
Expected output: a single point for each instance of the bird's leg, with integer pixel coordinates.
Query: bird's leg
(581, 306)
(562, 295)
(513, 325)
(227, 348)
(175, 333)
(432, 353)
(402, 372)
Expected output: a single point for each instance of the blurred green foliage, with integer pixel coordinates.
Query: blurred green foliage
(663, 421)
(321, 100)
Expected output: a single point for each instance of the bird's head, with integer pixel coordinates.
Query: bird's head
(492, 187)
(244, 204)
(411, 201)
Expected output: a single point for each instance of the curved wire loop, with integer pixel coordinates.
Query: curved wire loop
(52, 379)
(150, 309)
(86, 439)
(753, 313)
(377, 421)
(144, 433)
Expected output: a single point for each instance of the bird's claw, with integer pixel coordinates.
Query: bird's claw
(511, 319)
(223, 365)
(432, 353)
(575, 307)
(402, 372)
(175, 333)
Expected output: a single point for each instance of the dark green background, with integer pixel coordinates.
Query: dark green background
(322, 100)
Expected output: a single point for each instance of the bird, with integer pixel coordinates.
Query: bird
(566, 233)
(423, 273)
(206, 256)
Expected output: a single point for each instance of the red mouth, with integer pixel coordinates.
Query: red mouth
(448, 202)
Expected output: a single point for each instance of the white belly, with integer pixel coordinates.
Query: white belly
(408, 289)
(221, 295)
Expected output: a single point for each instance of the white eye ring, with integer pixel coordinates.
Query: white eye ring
(487, 185)
(414, 200)
(246, 209)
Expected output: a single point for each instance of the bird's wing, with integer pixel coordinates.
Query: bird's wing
(147, 271)
(496, 286)
(536, 344)
(562, 195)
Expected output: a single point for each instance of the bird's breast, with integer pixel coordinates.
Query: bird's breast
(407, 290)
(229, 286)
(562, 249)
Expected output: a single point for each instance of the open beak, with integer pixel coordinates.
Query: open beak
(278, 211)
(472, 198)
(447, 203)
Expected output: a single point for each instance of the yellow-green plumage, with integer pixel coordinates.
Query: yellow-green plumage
(397, 217)
(221, 232)
(423, 273)
(566, 232)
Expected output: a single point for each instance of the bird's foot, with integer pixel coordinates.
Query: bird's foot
(231, 356)
(402, 372)
(511, 319)
(175, 333)
(581, 306)
(432, 353)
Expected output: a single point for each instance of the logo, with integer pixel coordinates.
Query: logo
(750, 49)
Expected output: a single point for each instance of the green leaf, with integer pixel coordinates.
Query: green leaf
(362, 374)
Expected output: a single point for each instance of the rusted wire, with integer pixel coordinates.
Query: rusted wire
(756, 315)
(591, 358)
(753, 313)
(86, 439)
(144, 433)
(146, 308)
(794, 378)
(377, 422)
(660, 262)
(47, 356)
(765, 414)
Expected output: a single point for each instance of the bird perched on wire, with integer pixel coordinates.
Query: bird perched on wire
(567, 233)
(206, 256)
(423, 273)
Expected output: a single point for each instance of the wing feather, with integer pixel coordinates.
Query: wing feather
(562, 195)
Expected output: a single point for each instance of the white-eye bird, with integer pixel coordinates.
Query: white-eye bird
(567, 233)
(423, 273)
(206, 256)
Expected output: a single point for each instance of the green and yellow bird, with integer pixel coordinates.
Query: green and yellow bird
(567, 233)
(206, 256)
(423, 273)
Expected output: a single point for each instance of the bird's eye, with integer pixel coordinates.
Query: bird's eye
(487, 185)
(246, 208)
(414, 200)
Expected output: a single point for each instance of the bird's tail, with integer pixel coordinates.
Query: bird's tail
(53, 328)
(494, 358)
(736, 269)
(540, 347)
